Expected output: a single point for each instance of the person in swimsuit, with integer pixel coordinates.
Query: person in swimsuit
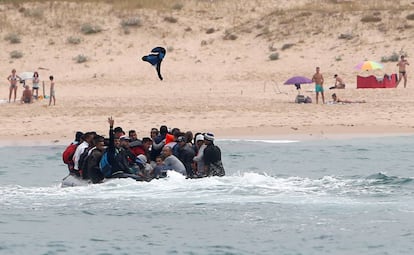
(52, 91)
(339, 83)
(35, 87)
(401, 69)
(12, 78)
(318, 80)
(345, 101)
(27, 97)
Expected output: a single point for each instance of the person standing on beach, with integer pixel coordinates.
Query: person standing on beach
(12, 78)
(35, 85)
(401, 69)
(318, 79)
(52, 91)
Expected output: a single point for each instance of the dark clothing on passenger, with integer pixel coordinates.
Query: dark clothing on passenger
(154, 152)
(93, 170)
(130, 156)
(117, 158)
(186, 155)
(212, 160)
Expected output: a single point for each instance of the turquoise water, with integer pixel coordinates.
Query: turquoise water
(279, 197)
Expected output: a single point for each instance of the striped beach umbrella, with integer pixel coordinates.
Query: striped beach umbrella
(369, 65)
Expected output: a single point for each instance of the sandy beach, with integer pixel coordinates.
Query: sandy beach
(218, 76)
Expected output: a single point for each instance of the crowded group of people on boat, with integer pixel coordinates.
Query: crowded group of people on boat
(94, 157)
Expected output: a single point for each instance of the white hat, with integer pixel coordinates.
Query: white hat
(199, 137)
(142, 158)
(124, 137)
(209, 137)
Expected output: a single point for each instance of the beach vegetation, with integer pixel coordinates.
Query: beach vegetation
(394, 57)
(80, 58)
(370, 19)
(177, 6)
(210, 30)
(131, 22)
(287, 46)
(88, 28)
(346, 36)
(73, 40)
(171, 19)
(229, 36)
(410, 16)
(36, 13)
(16, 54)
(274, 56)
(305, 14)
(13, 38)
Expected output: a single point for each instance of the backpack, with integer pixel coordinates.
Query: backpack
(82, 165)
(104, 166)
(67, 154)
(300, 99)
(308, 100)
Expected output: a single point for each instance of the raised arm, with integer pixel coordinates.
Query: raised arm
(111, 145)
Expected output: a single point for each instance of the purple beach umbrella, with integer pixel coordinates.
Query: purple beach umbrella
(297, 80)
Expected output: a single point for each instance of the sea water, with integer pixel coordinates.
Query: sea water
(278, 197)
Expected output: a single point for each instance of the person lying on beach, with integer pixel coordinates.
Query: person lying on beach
(345, 101)
(339, 83)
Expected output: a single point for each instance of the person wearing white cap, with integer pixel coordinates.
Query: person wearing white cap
(124, 142)
(199, 158)
(212, 157)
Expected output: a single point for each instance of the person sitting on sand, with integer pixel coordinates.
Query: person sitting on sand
(345, 101)
(27, 97)
(339, 83)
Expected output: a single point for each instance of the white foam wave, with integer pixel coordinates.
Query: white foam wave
(241, 187)
(259, 140)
